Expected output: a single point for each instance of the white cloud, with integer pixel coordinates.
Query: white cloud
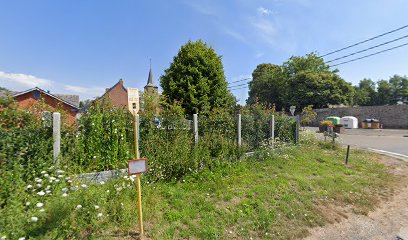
(203, 8)
(19, 80)
(266, 31)
(237, 36)
(259, 54)
(89, 91)
(264, 11)
(265, 27)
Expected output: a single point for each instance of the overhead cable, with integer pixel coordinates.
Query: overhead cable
(369, 55)
(353, 45)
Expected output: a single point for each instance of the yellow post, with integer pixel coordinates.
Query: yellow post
(139, 190)
(139, 205)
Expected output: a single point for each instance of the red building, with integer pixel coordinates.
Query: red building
(117, 95)
(68, 103)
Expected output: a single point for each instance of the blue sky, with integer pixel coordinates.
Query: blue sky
(83, 47)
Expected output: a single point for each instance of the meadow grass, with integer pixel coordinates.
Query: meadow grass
(270, 195)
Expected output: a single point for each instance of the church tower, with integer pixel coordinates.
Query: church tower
(151, 87)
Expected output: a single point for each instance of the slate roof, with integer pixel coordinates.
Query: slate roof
(73, 99)
(150, 80)
(51, 95)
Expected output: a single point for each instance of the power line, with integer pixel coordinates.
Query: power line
(239, 85)
(369, 55)
(240, 80)
(353, 45)
(364, 50)
(238, 88)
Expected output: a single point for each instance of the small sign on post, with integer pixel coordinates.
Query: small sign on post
(133, 100)
(137, 166)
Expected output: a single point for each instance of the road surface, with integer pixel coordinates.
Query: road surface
(388, 141)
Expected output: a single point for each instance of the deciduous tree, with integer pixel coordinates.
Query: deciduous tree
(196, 79)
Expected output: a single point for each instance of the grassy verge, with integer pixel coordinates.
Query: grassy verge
(271, 195)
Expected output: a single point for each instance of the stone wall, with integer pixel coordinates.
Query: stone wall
(391, 116)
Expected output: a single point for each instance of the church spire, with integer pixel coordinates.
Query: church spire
(150, 86)
(150, 80)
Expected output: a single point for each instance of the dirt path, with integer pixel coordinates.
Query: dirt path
(388, 221)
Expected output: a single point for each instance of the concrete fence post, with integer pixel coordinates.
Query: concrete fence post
(239, 130)
(297, 128)
(195, 127)
(272, 133)
(56, 135)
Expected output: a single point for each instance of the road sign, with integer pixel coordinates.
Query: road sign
(137, 166)
(133, 100)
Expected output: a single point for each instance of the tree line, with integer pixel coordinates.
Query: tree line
(383, 92)
(196, 80)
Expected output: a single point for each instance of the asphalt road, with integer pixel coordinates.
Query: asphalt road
(388, 141)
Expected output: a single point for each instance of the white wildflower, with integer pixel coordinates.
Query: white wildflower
(60, 171)
(102, 182)
(52, 178)
(46, 175)
(43, 172)
(64, 195)
(94, 156)
(96, 207)
(38, 185)
(3, 238)
(93, 124)
(107, 191)
(41, 193)
(69, 181)
(42, 210)
(64, 190)
(57, 180)
(78, 206)
(121, 204)
(60, 176)
(84, 186)
(48, 191)
(48, 187)
(38, 180)
(52, 167)
(99, 215)
(34, 219)
(29, 186)
(67, 178)
(39, 204)
(28, 203)
(22, 238)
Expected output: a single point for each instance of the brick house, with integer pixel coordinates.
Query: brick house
(69, 103)
(117, 95)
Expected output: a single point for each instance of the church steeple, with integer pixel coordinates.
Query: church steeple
(150, 86)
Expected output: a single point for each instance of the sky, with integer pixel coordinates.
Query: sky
(84, 47)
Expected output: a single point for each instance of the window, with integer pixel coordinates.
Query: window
(36, 95)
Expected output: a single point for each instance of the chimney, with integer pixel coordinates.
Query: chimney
(121, 82)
